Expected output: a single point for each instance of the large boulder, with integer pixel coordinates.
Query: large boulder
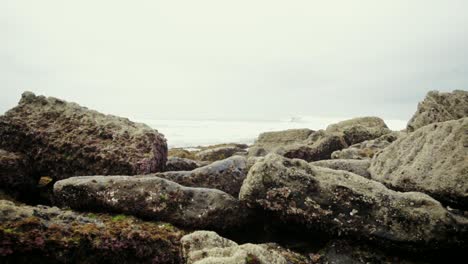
(359, 129)
(154, 198)
(225, 175)
(314, 149)
(433, 159)
(16, 173)
(367, 149)
(271, 141)
(207, 247)
(359, 167)
(439, 107)
(64, 139)
(44, 234)
(343, 203)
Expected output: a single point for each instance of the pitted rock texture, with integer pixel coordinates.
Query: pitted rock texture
(439, 107)
(42, 234)
(359, 129)
(359, 167)
(206, 247)
(432, 159)
(63, 139)
(343, 203)
(155, 198)
(367, 149)
(225, 175)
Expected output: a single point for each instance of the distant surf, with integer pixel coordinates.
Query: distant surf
(192, 133)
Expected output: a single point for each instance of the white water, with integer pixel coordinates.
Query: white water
(191, 133)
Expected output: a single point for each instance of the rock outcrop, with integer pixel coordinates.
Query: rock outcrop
(44, 234)
(16, 173)
(359, 129)
(271, 141)
(343, 203)
(359, 167)
(182, 164)
(219, 153)
(154, 198)
(208, 247)
(367, 149)
(225, 175)
(439, 107)
(432, 159)
(63, 139)
(318, 149)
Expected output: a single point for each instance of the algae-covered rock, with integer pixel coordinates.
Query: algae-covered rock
(343, 203)
(226, 175)
(439, 107)
(432, 159)
(359, 129)
(44, 234)
(206, 247)
(63, 139)
(358, 167)
(152, 197)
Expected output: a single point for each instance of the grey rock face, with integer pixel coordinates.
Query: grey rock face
(154, 198)
(439, 107)
(219, 153)
(225, 175)
(358, 167)
(15, 173)
(271, 141)
(359, 129)
(344, 203)
(367, 149)
(203, 247)
(432, 159)
(182, 164)
(319, 149)
(64, 139)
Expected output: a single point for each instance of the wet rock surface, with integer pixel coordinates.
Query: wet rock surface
(439, 107)
(63, 139)
(42, 234)
(154, 198)
(346, 204)
(433, 159)
(225, 175)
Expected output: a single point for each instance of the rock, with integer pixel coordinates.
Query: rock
(218, 153)
(64, 139)
(346, 204)
(225, 175)
(44, 234)
(182, 164)
(358, 167)
(154, 198)
(207, 247)
(359, 129)
(320, 149)
(16, 174)
(367, 149)
(271, 141)
(439, 107)
(432, 159)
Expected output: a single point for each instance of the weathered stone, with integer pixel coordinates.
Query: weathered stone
(367, 149)
(182, 164)
(44, 234)
(359, 129)
(225, 175)
(152, 198)
(64, 139)
(218, 153)
(271, 141)
(432, 159)
(15, 173)
(439, 107)
(358, 167)
(318, 150)
(206, 247)
(343, 203)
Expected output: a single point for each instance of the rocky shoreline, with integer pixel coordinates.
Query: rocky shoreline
(78, 186)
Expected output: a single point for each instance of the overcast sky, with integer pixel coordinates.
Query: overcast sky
(234, 59)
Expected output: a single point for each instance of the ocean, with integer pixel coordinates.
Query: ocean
(193, 133)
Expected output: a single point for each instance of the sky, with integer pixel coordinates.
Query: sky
(234, 59)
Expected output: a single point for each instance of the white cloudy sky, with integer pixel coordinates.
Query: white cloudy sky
(234, 59)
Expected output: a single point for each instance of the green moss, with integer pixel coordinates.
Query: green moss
(252, 259)
(91, 215)
(119, 218)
